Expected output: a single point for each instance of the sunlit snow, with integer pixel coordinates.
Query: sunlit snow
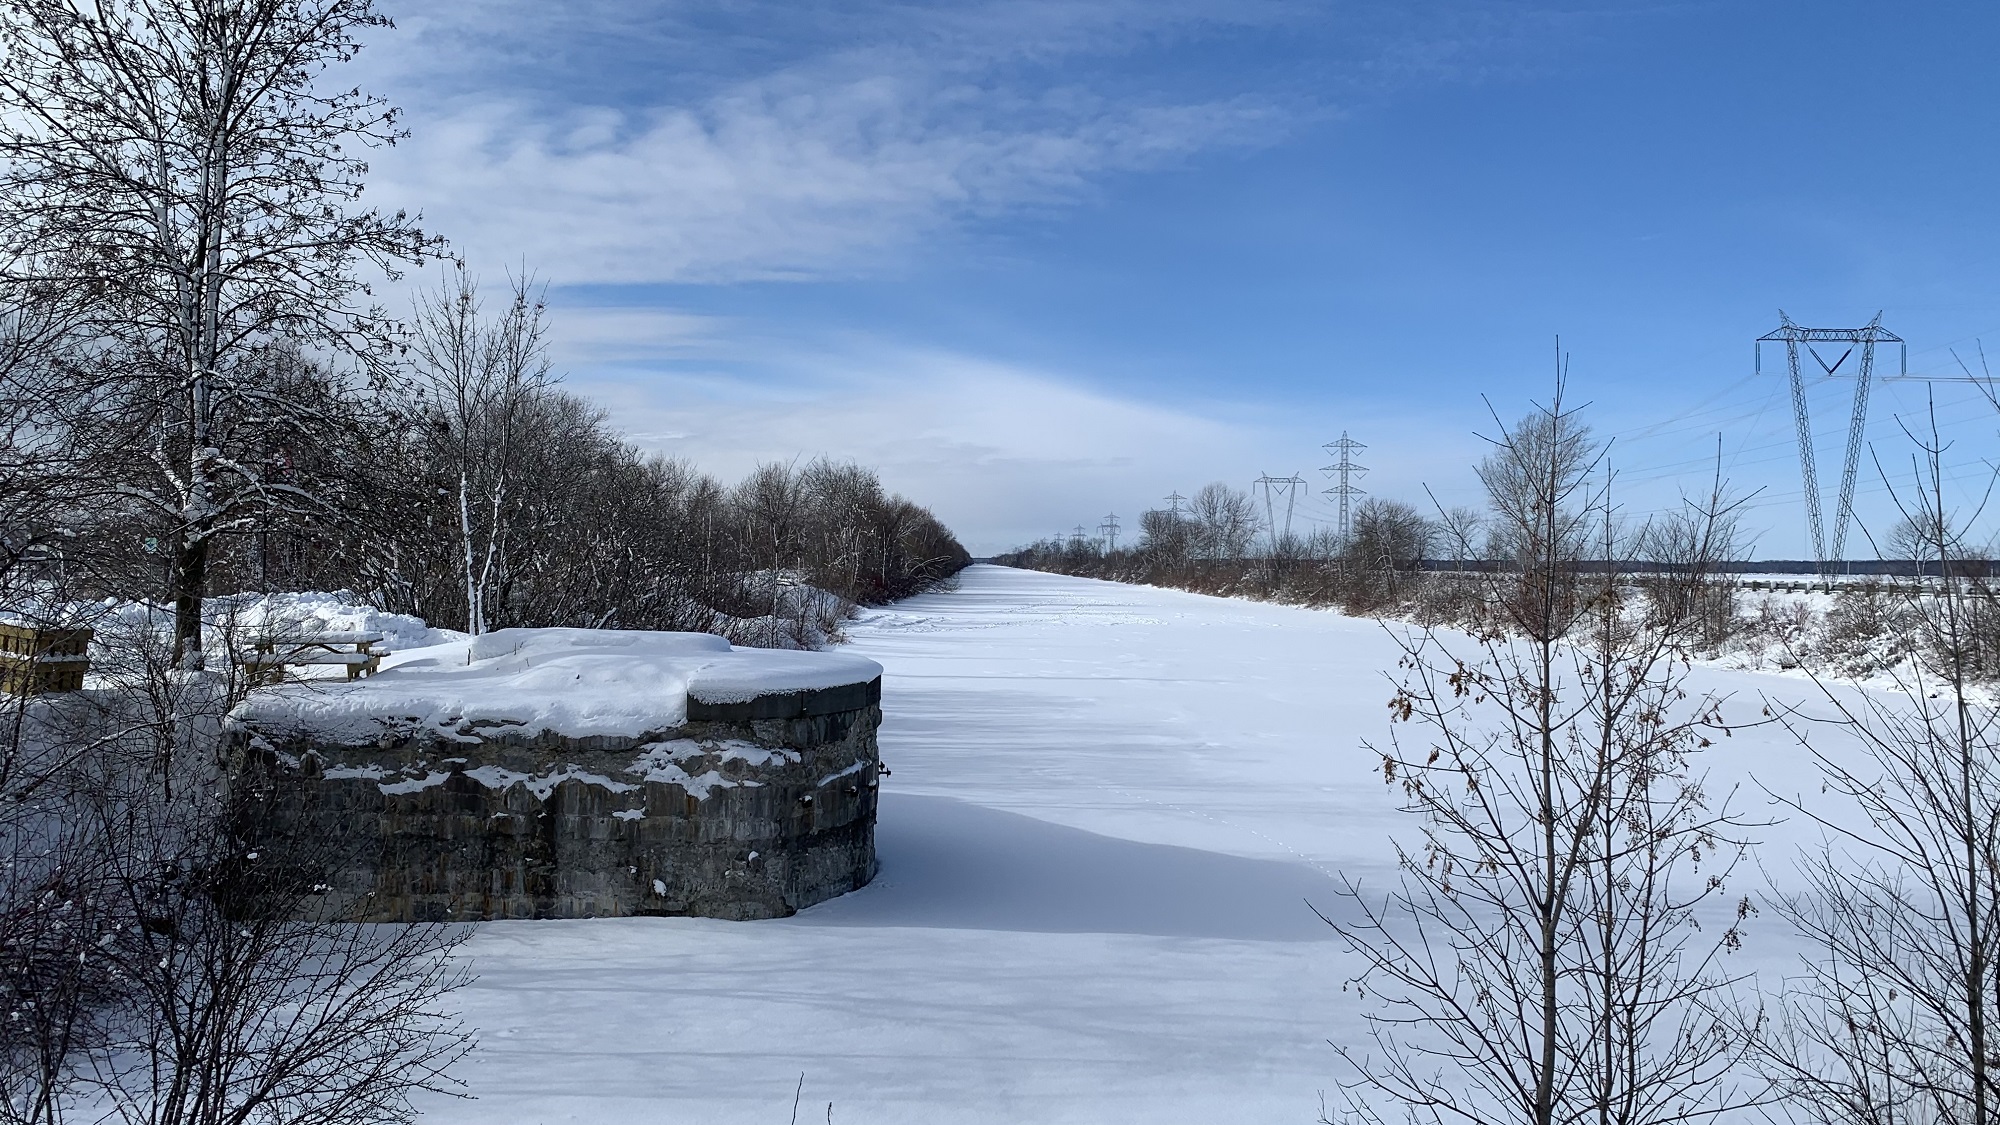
(1109, 808)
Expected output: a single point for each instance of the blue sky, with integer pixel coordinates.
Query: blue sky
(1042, 261)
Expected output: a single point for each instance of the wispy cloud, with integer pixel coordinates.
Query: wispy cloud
(823, 165)
(719, 141)
(767, 183)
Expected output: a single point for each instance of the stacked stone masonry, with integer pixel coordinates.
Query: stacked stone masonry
(752, 809)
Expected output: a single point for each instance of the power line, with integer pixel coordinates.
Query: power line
(1661, 470)
(1109, 530)
(1344, 469)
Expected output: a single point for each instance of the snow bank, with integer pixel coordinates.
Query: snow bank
(578, 683)
(318, 613)
(232, 621)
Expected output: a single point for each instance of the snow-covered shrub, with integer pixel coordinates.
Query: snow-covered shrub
(798, 615)
(153, 967)
(1865, 630)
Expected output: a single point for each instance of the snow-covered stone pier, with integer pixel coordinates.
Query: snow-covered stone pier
(567, 773)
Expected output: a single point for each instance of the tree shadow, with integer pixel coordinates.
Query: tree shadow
(949, 864)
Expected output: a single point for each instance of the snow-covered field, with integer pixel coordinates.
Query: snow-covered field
(1109, 807)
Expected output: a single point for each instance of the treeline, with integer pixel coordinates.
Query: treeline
(461, 484)
(492, 498)
(1435, 569)
(1220, 544)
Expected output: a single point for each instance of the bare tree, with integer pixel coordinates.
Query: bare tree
(46, 518)
(1539, 962)
(182, 169)
(1388, 540)
(478, 381)
(1391, 534)
(1534, 482)
(841, 501)
(771, 500)
(1462, 531)
(55, 983)
(1165, 536)
(1225, 521)
(1690, 548)
(168, 954)
(592, 532)
(1895, 1013)
(244, 997)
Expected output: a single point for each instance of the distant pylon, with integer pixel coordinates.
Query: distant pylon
(1109, 530)
(1076, 538)
(1792, 336)
(1176, 500)
(1289, 487)
(1344, 470)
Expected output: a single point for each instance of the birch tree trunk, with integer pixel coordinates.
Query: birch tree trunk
(479, 381)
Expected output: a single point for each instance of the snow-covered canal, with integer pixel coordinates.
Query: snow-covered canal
(1109, 807)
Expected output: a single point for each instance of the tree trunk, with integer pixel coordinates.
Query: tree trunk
(190, 583)
(475, 610)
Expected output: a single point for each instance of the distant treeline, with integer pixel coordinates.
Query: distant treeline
(1396, 558)
(462, 484)
(1222, 544)
(1060, 554)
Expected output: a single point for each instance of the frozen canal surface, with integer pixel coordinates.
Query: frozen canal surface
(1109, 808)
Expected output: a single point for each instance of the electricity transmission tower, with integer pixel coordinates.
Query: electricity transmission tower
(1794, 337)
(1176, 500)
(1287, 487)
(1344, 469)
(1076, 538)
(1109, 530)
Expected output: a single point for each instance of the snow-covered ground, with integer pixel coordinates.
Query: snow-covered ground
(1109, 807)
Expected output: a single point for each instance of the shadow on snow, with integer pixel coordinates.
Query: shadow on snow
(948, 864)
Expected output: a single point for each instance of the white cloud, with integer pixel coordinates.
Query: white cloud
(664, 142)
(774, 179)
(587, 335)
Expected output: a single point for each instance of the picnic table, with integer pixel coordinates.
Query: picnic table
(36, 660)
(271, 653)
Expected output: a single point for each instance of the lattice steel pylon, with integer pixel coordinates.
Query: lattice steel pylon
(1344, 469)
(1793, 337)
(1289, 487)
(1109, 531)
